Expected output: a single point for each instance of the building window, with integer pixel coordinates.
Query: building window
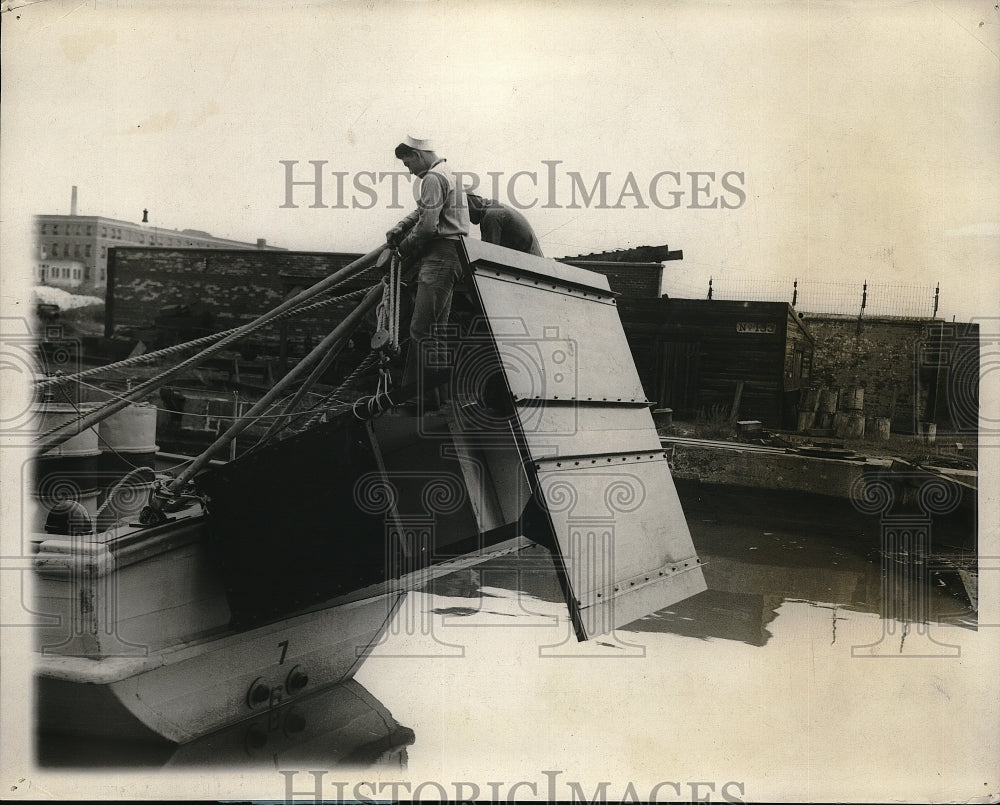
(45, 229)
(76, 250)
(104, 231)
(76, 273)
(90, 229)
(142, 238)
(86, 272)
(54, 250)
(102, 275)
(87, 251)
(104, 251)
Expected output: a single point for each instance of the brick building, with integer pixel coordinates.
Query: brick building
(86, 239)
(59, 273)
(636, 272)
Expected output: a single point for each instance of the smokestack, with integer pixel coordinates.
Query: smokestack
(72, 202)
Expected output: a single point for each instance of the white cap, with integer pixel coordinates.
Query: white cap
(415, 144)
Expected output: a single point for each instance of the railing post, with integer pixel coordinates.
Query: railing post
(861, 313)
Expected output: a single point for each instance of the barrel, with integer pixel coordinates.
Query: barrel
(805, 421)
(877, 428)
(663, 417)
(810, 399)
(849, 424)
(855, 425)
(853, 398)
(928, 432)
(68, 471)
(827, 401)
(127, 441)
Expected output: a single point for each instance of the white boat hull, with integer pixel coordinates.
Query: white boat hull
(137, 639)
(183, 692)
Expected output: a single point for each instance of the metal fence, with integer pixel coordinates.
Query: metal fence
(819, 296)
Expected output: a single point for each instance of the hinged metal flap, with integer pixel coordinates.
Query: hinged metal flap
(624, 548)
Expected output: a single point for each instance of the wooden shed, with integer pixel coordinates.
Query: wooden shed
(693, 354)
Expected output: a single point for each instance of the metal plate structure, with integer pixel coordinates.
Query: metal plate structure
(583, 422)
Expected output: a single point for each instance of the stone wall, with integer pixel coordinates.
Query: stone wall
(912, 370)
(167, 296)
(214, 289)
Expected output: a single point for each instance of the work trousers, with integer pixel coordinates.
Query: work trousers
(440, 269)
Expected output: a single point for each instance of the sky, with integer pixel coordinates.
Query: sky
(856, 139)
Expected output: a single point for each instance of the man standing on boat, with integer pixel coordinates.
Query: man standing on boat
(429, 235)
(502, 225)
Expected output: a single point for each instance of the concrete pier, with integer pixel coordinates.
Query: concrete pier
(731, 463)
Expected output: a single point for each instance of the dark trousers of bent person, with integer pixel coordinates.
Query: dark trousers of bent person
(440, 269)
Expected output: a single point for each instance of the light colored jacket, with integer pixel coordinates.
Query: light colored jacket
(441, 212)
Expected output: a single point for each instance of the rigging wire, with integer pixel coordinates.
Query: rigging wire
(151, 382)
(148, 357)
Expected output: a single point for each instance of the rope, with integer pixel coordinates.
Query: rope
(321, 408)
(137, 391)
(148, 357)
(230, 417)
(388, 322)
(396, 272)
(136, 471)
(374, 405)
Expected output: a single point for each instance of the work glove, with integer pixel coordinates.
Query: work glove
(394, 236)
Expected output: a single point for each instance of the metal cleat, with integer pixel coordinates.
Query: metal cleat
(162, 501)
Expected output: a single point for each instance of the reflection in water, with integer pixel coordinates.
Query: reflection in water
(761, 549)
(788, 676)
(340, 727)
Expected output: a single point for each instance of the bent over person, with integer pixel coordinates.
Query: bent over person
(430, 235)
(502, 225)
